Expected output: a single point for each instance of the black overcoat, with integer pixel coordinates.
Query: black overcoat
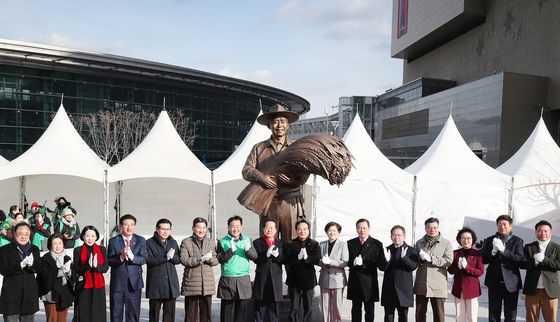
(49, 281)
(507, 263)
(397, 288)
(20, 291)
(362, 280)
(268, 266)
(162, 281)
(301, 273)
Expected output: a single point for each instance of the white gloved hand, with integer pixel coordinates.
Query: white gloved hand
(66, 267)
(300, 255)
(23, 262)
(247, 246)
(232, 245)
(459, 263)
(269, 251)
(494, 248)
(358, 260)
(403, 251)
(500, 246)
(170, 253)
(206, 257)
(425, 256)
(326, 260)
(538, 257)
(94, 261)
(30, 260)
(463, 261)
(275, 252)
(387, 253)
(129, 254)
(90, 260)
(304, 253)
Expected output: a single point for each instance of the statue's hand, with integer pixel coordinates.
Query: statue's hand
(284, 179)
(268, 182)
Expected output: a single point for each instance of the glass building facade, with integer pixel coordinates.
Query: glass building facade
(34, 77)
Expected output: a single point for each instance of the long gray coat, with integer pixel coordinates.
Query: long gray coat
(161, 279)
(431, 278)
(334, 276)
(198, 278)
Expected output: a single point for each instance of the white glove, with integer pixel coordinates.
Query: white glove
(494, 248)
(30, 260)
(326, 260)
(539, 257)
(425, 256)
(275, 252)
(129, 254)
(460, 263)
(463, 262)
(23, 262)
(232, 245)
(304, 253)
(300, 255)
(403, 251)
(66, 267)
(90, 260)
(247, 246)
(498, 244)
(387, 253)
(94, 261)
(358, 260)
(206, 257)
(269, 251)
(170, 253)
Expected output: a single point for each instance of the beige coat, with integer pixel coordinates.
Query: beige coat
(198, 278)
(431, 278)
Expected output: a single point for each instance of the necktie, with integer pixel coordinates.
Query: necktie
(362, 240)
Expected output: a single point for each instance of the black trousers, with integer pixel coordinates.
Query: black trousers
(236, 309)
(198, 308)
(127, 301)
(497, 295)
(296, 298)
(369, 308)
(262, 308)
(390, 313)
(168, 310)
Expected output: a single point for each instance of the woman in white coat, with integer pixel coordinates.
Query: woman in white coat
(332, 278)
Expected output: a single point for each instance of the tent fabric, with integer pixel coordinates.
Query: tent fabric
(535, 168)
(452, 182)
(3, 161)
(162, 154)
(59, 151)
(375, 189)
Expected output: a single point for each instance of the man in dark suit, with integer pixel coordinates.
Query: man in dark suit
(366, 255)
(503, 252)
(542, 261)
(302, 254)
(127, 253)
(267, 291)
(397, 291)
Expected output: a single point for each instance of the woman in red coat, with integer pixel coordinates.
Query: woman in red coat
(467, 267)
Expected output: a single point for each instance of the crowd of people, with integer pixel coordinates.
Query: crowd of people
(61, 281)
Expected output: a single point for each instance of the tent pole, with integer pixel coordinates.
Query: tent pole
(414, 193)
(511, 213)
(106, 206)
(314, 193)
(22, 192)
(212, 205)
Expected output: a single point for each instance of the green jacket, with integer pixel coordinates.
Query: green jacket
(236, 264)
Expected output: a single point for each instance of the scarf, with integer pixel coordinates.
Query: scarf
(431, 241)
(59, 260)
(70, 223)
(504, 238)
(93, 278)
(269, 242)
(24, 250)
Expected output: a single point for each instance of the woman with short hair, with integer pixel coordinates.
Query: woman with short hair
(55, 280)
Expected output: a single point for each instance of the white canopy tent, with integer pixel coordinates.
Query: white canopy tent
(228, 183)
(535, 169)
(452, 182)
(163, 178)
(60, 163)
(9, 190)
(376, 189)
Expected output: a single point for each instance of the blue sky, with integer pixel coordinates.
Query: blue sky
(320, 49)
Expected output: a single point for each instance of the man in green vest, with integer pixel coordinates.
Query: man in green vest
(234, 252)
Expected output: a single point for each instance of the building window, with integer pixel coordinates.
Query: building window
(402, 26)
